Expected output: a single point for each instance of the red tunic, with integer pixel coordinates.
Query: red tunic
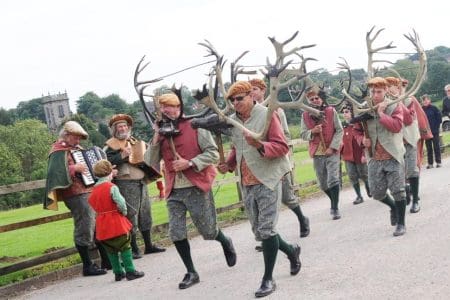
(109, 222)
(186, 145)
(328, 129)
(352, 148)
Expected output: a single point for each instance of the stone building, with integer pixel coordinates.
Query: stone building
(56, 109)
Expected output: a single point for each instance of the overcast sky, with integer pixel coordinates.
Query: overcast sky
(80, 46)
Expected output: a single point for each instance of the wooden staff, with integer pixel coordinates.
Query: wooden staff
(218, 138)
(366, 135)
(174, 152)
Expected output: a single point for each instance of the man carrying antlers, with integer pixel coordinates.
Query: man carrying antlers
(261, 164)
(325, 137)
(386, 168)
(188, 155)
(288, 197)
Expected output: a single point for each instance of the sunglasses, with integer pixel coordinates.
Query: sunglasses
(314, 98)
(238, 98)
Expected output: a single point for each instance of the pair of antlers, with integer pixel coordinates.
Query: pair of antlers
(420, 76)
(274, 72)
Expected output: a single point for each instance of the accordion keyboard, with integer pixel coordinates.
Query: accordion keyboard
(88, 157)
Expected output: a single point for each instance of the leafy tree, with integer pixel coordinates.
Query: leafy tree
(30, 141)
(7, 117)
(115, 104)
(32, 109)
(10, 166)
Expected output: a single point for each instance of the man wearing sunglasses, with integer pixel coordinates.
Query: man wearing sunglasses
(325, 138)
(288, 196)
(261, 164)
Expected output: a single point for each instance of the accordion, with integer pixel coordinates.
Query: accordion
(89, 157)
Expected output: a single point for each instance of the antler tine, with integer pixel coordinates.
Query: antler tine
(420, 77)
(371, 51)
(238, 69)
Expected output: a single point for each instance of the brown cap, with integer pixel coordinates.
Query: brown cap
(258, 83)
(377, 82)
(169, 99)
(74, 128)
(102, 168)
(392, 81)
(239, 87)
(119, 118)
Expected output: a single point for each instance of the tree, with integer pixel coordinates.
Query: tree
(32, 109)
(115, 104)
(7, 117)
(29, 140)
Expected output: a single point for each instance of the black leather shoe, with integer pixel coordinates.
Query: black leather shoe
(438, 165)
(415, 208)
(400, 230)
(93, 270)
(429, 166)
(393, 216)
(358, 200)
(267, 287)
(230, 253)
(296, 265)
(189, 280)
(154, 249)
(136, 255)
(336, 214)
(120, 276)
(259, 248)
(134, 275)
(304, 232)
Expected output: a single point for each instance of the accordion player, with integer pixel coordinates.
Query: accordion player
(89, 157)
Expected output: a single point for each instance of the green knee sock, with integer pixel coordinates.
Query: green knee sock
(414, 184)
(298, 212)
(388, 201)
(401, 207)
(222, 238)
(329, 193)
(184, 250)
(115, 263)
(127, 259)
(366, 183)
(357, 189)
(334, 192)
(285, 247)
(270, 250)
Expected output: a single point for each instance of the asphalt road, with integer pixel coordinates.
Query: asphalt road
(353, 258)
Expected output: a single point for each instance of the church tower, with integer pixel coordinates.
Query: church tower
(56, 108)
